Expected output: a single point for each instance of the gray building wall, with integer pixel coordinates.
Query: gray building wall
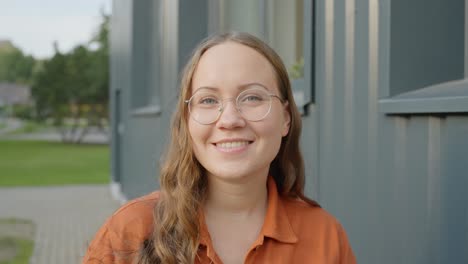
(386, 150)
(397, 181)
(150, 40)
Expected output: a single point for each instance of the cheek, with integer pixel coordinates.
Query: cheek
(193, 132)
(198, 135)
(277, 125)
(270, 143)
(271, 132)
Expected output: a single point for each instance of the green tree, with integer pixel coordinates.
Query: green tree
(15, 67)
(49, 89)
(72, 88)
(96, 94)
(100, 62)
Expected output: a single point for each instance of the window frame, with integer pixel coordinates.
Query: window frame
(447, 97)
(149, 70)
(304, 88)
(450, 97)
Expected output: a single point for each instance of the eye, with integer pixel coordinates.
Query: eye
(208, 101)
(253, 98)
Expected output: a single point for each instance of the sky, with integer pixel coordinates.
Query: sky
(34, 25)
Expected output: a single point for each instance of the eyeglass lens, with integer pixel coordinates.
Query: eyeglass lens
(206, 106)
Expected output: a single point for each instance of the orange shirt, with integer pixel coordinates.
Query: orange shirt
(293, 232)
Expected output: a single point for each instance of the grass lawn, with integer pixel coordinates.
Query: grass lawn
(16, 241)
(21, 247)
(37, 163)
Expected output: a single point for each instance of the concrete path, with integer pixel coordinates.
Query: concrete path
(53, 136)
(66, 218)
(94, 135)
(11, 124)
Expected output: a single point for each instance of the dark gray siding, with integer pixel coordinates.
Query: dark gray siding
(150, 42)
(396, 179)
(397, 182)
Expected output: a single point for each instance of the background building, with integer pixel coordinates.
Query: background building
(11, 95)
(382, 88)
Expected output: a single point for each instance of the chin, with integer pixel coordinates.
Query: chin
(233, 175)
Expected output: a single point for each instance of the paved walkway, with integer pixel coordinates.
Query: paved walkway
(53, 136)
(93, 136)
(66, 218)
(11, 124)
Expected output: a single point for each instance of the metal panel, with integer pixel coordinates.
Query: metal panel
(147, 62)
(397, 183)
(454, 188)
(120, 46)
(129, 75)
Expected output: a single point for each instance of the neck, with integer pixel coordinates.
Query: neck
(237, 198)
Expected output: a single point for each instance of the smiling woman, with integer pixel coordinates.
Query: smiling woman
(242, 70)
(232, 185)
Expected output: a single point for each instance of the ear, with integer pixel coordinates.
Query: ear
(286, 119)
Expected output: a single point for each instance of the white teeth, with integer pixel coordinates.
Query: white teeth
(236, 144)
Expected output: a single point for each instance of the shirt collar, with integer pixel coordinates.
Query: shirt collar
(276, 224)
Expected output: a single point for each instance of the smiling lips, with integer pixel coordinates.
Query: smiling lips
(231, 146)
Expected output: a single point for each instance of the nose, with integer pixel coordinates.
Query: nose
(230, 117)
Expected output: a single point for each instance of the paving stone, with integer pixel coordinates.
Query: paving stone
(66, 218)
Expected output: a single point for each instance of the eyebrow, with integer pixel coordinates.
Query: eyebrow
(240, 87)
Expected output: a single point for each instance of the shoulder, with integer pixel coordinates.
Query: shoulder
(312, 223)
(300, 212)
(136, 208)
(123, 233)
(317, 229)
(135, 217)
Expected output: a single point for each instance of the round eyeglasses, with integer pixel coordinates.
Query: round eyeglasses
(254, 104)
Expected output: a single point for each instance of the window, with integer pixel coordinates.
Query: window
(145, 57)
(427, 43)
(428, 58)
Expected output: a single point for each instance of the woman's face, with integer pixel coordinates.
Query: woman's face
(233, 148)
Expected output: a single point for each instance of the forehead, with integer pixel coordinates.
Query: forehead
(229, 66)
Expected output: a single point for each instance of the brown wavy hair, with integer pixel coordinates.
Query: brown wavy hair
(182, 179)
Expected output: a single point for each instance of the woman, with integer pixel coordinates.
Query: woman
(232, 184)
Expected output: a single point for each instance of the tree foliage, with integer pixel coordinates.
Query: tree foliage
(15, 67)
(72, 88)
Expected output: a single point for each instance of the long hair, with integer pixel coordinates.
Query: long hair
(182, 180)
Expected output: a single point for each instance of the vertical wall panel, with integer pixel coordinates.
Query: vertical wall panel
(454, 191)
(120, 49)
(400, 192)
(433, 199)
(417, 185)
(348, 102)
(325, 89)
(336, 101)
(394, 182)
(372, 126)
